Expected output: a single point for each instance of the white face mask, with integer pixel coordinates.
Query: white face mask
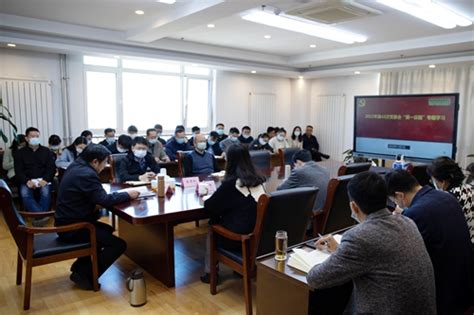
(121, 150)
(201, 146)
(55, 147)
(297, 133)
(262, 142)
(158, 134)
(79, 150)
(245, 136)
(152, 141)
(139, 154)
(34, 141)
(280, 137)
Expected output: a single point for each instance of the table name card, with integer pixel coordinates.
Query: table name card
(187, 182)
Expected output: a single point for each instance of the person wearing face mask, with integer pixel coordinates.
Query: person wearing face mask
(440, 220)
(280, 141)
(109, 135)
(220, 132)
(446, 175)
(159, 132)
(88, 135)
(139, 164)
(122, 145)
(71, 153)
(245, 137)
(132, 131)
(35, 169)
(308, 173)
(261, 143)
(213, 146)
(8, 162)
(155, 148)
(177, 143)
(383, 258)
(79, 192)
(199, 161)
(296, 139)
(54, 142)
(232, 139)
(195, 130)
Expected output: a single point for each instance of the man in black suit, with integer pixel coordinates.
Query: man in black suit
(79, 193)
(311, 144)
(139, 163)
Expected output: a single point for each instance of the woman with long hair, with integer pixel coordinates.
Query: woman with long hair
(8, 157)
(296, 139)
(234, 204)
(71, 152)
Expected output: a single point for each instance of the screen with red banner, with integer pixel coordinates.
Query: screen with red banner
(417, 126)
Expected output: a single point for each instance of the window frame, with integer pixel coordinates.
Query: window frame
(119, 70)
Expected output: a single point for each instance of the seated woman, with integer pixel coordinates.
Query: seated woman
(8, 157)
(296, 139)
(234, 204)
(139, 163)
(71, 152)
(448, 176)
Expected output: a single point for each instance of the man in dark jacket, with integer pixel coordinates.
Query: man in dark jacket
(35, 169)
(261, 143)
(139, 163)
(441, 222)
(311, 144)
(109, 135)
(177, 143)
(122, 145)
(79, 193)
(213, 145)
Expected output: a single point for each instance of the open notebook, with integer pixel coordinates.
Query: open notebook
(305, 260)
(144, 192)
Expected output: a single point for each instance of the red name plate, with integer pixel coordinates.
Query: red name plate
(189, 182)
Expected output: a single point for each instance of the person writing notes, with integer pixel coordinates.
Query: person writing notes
(384, 256)
(139, 165)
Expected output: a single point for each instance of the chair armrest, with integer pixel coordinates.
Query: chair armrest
(57, 229)
(222, 231)
(36, 214)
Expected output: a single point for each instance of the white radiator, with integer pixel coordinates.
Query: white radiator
(30, 103)
(328, 120)
(262, 111)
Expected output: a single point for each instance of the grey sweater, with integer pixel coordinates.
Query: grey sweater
(386, 259)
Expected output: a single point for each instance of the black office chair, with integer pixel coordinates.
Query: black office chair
(287, 210)
(353, 168)
(261, 159)
(287, 155)
(115, 160)
(336, 212)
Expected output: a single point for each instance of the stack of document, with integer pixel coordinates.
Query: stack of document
(144, 192)
(218, 174)
(305, 260)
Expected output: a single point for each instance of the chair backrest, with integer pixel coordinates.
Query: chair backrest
(353, 168)
(181, 157)
(287, 155)
(419, 172)
(336, 211)
(115, 160)
(289, 210)
(12, 217)
(260, 159)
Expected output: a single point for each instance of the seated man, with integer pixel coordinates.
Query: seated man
(245, 137)
(155, 147)
(213, 146)
(195, 130)
(177, 143)
(159, 132)
(109, 134)
(54, 142)
(441, 222)
(308, 173)
(88, 135)
(199, 162)
(132, 131)
(311, 144)
(220, 131)
(35, 169)
(232, 139)
(384, 257)
(139, 164)
(79, 193)
(122, 145)
(261, 143)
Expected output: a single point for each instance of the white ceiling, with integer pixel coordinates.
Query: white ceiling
(182, 27)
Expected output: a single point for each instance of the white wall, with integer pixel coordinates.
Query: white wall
(350, 86)
(22, 64)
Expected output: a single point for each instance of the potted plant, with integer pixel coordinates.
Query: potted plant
(6, 116)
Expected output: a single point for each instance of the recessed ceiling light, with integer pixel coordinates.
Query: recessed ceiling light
(211, 25)
(301, 77)
(312, 46)
(432, 66)
(11, 45)
(356, 72)
(267, 36)
(139, 12)
(429, 11)
(253, 71)
(167, 1)
(313, 29)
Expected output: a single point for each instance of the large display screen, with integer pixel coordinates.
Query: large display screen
(421, 127)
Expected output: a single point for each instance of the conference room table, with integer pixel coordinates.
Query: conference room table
(147, 225)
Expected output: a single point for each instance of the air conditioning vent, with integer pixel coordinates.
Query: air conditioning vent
(332, 12)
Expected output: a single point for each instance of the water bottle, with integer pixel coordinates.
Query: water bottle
(137, 287)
